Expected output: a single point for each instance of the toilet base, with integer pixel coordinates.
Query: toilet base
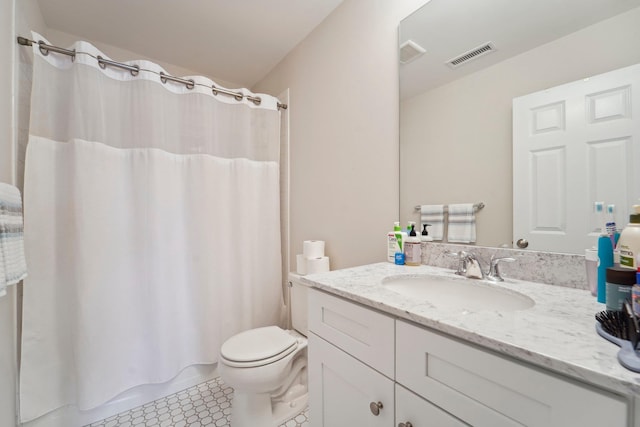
(251, 409)
(295, 403)
(258, 410)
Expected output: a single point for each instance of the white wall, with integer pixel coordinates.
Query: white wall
(8, 373)
(456, 139)
(343, 81)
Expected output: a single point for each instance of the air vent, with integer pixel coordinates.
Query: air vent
(409, 51)
(471, 55)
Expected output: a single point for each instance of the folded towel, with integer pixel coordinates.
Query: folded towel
(3, 274)
(13, 266)
(433, 215)
(462, 223)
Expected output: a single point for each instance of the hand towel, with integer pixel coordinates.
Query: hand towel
(462, 223)
(433, 215)
(13, 266)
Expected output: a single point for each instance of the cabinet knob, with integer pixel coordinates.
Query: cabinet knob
(407, 424)
(375, 408)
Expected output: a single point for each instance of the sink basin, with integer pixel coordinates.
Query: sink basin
(460, 294)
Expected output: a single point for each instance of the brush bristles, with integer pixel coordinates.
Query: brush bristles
(615, 323)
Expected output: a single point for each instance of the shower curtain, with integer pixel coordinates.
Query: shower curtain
(152, 227)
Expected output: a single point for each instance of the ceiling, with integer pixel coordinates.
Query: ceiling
(448, 28)
(236, 41)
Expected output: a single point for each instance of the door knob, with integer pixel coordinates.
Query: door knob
(522, 243)
(375, 407)
(407, 424)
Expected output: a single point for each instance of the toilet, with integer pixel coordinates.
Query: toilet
(267, 368)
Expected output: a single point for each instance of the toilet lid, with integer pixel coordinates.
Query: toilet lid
(258, 344)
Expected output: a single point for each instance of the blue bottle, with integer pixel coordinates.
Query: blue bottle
(605, 256)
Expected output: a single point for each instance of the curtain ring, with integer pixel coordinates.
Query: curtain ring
(163, 79)
(191, 84)
(257, 100)
(43, 50)
(136, 71)
(239, 97)
(101, 64)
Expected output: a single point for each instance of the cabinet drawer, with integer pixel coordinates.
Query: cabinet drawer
(484, 389)
(365, 334)
(421, 413)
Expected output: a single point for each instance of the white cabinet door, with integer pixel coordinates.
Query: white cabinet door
(412, 409)
(573, 145)
(341, 389)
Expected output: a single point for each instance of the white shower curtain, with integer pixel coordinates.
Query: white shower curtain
(152, 228)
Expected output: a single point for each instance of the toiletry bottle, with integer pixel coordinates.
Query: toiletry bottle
(425, 234)
(605, 257)
(629, 241)
(611, 223)
(620, 282)
(401, 238)
(635, 294)
(392, 244)
(412, 248)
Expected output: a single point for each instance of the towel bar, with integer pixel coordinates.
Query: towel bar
(476, 207)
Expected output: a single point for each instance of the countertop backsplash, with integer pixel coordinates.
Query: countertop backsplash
(543, 267)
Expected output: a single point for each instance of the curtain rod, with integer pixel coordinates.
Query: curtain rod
(135, 69)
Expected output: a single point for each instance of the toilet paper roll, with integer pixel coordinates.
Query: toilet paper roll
(313, 248)
(318, 265)
(301, 264)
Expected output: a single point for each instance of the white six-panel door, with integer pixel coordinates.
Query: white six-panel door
(573, 145)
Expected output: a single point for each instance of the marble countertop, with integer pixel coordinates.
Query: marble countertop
(557, 333)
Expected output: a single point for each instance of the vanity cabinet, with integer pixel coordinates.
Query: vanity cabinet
(485, 389)
(367, 368)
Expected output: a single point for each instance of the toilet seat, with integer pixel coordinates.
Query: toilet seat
(258, 347)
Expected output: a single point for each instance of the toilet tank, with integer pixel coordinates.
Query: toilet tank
(298, 303)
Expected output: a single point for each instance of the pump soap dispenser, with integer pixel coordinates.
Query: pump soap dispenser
(412, 248)
(425, 234)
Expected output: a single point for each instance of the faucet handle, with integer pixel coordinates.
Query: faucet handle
(462, 261)
(494, 271)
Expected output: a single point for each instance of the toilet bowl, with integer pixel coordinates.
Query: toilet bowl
(267, 369)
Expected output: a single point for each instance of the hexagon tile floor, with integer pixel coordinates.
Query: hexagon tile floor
(204, 405)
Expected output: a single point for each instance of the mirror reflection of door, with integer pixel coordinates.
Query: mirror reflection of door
(573, 145)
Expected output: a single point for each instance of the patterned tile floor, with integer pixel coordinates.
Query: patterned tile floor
(204, 405)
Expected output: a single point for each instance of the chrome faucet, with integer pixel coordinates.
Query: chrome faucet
(469, 266)
(494, 272)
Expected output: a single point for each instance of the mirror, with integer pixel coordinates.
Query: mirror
(456, 119)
